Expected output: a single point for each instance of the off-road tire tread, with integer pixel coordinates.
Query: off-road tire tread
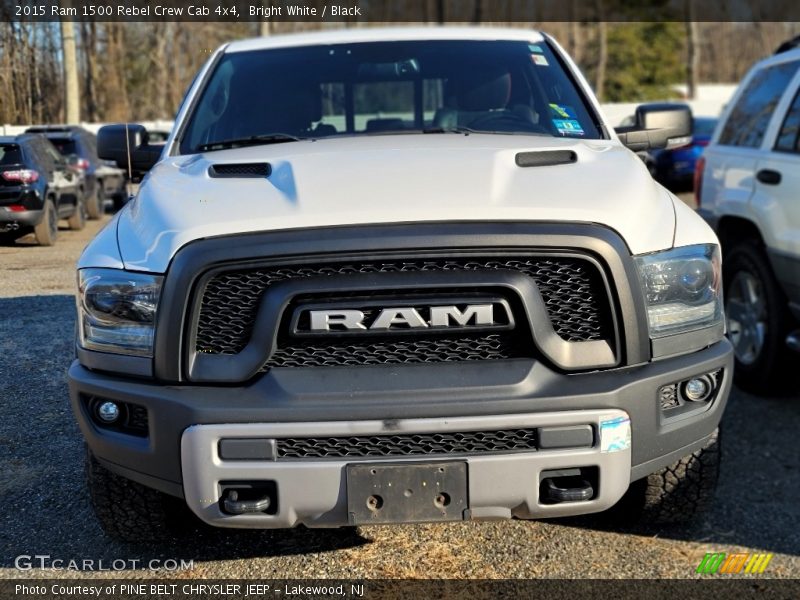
(679, 492)
(131, 512)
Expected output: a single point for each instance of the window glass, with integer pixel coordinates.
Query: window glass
(65, 146)
(505, 87)
(10, 154)
(749, 119)
(789, 136)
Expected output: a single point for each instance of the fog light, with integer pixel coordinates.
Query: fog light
(697, 389)
(108, 412)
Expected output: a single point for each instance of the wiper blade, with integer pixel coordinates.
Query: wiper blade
(468, 130)
(450, 130)
(253, 140)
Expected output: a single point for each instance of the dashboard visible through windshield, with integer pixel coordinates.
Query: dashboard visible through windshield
(383, 88)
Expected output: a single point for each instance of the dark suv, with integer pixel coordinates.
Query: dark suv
(102, 180)
(37, 188)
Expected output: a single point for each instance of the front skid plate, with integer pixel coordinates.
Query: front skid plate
(406, 493)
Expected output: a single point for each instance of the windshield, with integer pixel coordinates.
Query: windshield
(507, 87)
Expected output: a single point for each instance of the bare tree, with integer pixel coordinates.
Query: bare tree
(602, 55)
(71, 94)
(692, 50)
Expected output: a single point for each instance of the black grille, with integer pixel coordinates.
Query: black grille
(572, 288)
(362, 352)
(409, 444)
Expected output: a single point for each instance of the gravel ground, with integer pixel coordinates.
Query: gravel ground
(41, 483)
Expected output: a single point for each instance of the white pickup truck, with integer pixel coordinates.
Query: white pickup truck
(390, 276)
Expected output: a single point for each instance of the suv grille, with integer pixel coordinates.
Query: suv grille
(572, 288)
(408, 444)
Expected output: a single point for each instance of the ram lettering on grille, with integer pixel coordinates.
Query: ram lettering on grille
(572, 288)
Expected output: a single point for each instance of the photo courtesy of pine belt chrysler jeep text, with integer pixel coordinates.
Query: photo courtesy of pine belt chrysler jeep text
(393, 276)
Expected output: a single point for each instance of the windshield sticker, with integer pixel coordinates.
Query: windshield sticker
(535, 48)
(568, 126)
(539, 59)
(615, 434)
(560, 111)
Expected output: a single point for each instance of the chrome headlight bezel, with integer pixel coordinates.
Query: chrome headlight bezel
(117, 311)
(682, 289)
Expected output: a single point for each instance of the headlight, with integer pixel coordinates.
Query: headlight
(117, 310)
(683, 289)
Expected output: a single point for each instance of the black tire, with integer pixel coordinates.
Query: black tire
(47, 230)
(675, 494)
(95, 204)
(131, 512)
(77, 220)
(759, 365)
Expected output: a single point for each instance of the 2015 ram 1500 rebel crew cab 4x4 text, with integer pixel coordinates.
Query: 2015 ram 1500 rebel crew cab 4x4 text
(404, 275)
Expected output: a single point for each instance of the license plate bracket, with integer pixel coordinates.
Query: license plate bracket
(406, 492)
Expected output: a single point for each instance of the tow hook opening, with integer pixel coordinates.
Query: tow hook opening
(578, 484)
(248, 497)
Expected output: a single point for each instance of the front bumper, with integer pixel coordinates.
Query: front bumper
(314, 492)
(178, 454)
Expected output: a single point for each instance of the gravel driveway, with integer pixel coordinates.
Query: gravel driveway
(46, 509)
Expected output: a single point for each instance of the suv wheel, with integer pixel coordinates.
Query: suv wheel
(94, 205)
(131, 512)
(47, 229)
(758, 318)
(675, 494)
(77, 220)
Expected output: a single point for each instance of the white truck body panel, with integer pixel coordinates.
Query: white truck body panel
(393, 179)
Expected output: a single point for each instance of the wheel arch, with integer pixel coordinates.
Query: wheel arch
(731, 229)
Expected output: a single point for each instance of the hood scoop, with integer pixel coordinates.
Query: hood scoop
(257, 170)
(546, 158)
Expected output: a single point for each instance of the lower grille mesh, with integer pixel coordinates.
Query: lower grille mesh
(446, 349)
(410, 444)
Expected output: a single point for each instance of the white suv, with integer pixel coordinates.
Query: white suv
(750, 194)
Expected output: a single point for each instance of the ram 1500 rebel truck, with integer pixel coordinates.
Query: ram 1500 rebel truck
(391, 276)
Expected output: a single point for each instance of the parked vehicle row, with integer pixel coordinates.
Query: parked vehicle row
(37, 189)
(103, 180)
(51, 173)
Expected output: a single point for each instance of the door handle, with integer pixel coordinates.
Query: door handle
(769, 177)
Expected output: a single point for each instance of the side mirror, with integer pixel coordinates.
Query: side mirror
(658, 126)
(120, 142)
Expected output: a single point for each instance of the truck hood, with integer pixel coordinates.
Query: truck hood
(392, 179)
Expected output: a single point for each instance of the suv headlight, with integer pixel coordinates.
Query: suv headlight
(683, 289)
(117, 310)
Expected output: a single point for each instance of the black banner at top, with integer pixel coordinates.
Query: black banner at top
(386, 11)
